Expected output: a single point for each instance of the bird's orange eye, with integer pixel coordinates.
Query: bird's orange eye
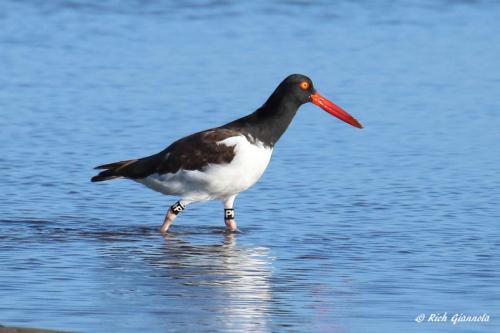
(304, 85)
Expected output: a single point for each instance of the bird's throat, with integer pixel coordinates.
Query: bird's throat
(268, 123)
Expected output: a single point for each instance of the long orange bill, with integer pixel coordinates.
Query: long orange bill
(334, 110)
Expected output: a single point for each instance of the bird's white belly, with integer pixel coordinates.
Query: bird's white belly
(216, 181)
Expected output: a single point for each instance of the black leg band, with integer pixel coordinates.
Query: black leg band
(177, 208)
(228, 214)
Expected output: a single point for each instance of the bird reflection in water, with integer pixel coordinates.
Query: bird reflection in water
(232, 281)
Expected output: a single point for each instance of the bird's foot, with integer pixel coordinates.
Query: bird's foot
(228, 232)
(164, 228)
(168, 235)
(231, 225)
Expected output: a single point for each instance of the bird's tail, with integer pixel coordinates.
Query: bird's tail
(112, 170)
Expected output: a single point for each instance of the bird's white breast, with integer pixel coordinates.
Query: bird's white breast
(248, 165)
(217, 181)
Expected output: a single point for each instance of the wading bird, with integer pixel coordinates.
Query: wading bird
(221, 162)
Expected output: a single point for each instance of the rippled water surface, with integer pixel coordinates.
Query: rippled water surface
(348, 231)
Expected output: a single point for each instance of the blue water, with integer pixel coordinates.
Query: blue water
(348, 231)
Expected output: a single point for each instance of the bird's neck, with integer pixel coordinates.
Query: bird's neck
(268, 123)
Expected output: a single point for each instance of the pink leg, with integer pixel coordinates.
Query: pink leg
(172, 214)
(229, 214)
(169, 218)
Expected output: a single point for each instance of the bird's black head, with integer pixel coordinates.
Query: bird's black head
(268, 123)
(297, 88)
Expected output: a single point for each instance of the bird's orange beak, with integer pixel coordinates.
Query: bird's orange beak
(334, 110)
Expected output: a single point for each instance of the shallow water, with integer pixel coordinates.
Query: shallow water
(348, 230)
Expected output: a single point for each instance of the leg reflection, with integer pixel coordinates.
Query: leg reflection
(232, 280)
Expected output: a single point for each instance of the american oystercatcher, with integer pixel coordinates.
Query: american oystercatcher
(221, 162)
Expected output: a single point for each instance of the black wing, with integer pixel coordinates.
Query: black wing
(194, 152)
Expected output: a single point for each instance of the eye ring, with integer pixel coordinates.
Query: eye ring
(304, 85)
